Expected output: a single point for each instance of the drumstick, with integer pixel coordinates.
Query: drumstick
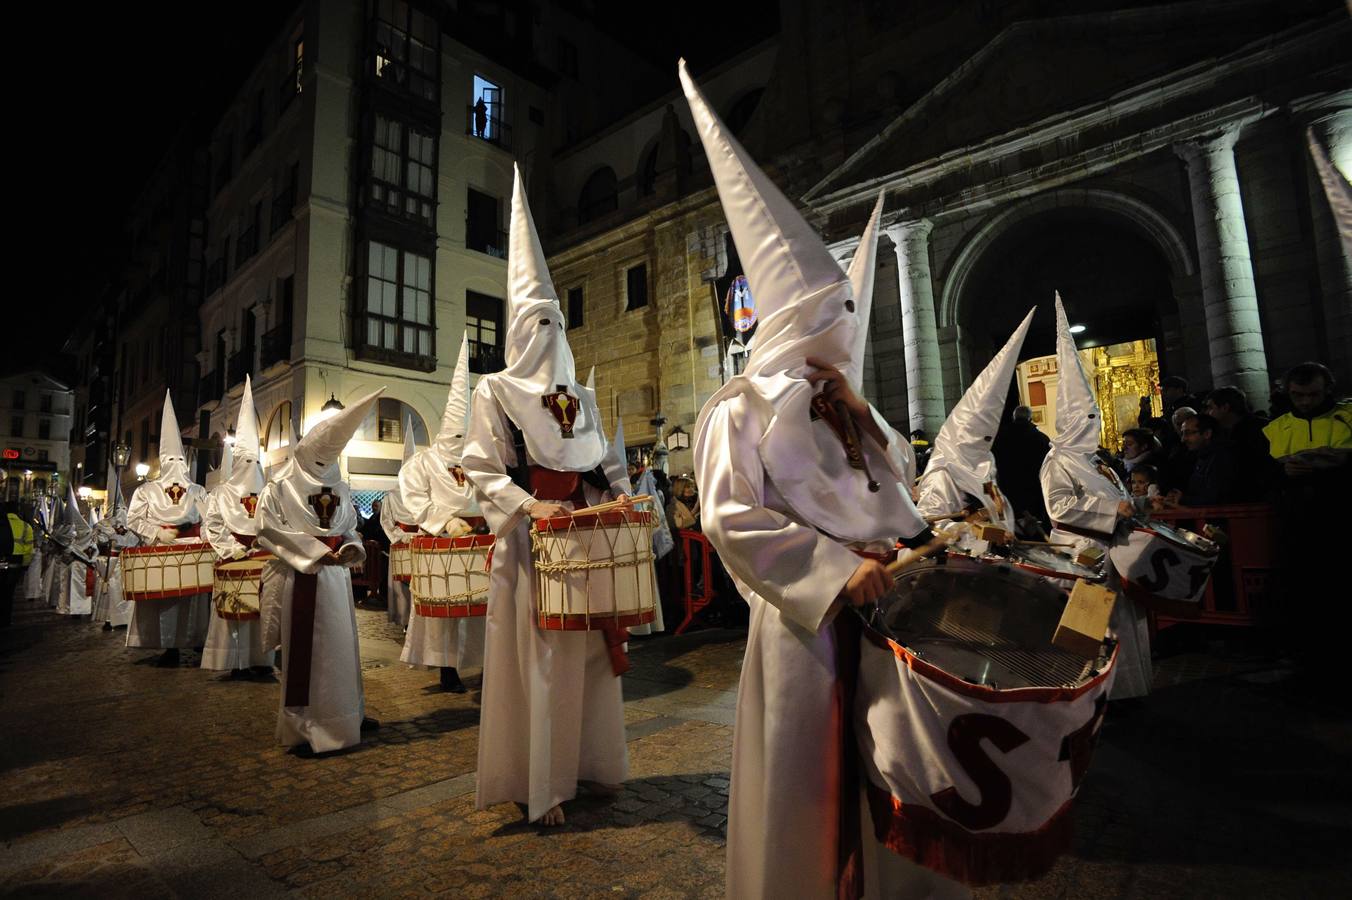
(611, 504)
(1043, 543)
(960, 514)
(899, 565)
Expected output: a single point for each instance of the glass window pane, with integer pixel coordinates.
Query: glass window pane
(424, 342)
(372, 332)
(389, 336)
(423, 280)
(424, 308)
(410, 338)
(391, 258)
(391, 304)
(373, 258)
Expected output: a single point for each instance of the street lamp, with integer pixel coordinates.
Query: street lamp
(121, 456)
(678, 439)
(142, 470)
(660, 454)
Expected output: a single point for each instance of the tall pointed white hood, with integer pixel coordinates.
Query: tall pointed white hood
(863, 267)
(237, 497)
(1079, 423)
(538, 389)
(173, 461)
(410, 447)
(316, 454)
(962, 449)
(75, 527)
(246, 451)
(806, 308)
(450, 439)
(804, 302)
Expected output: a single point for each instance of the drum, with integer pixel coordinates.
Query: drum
(595, 571)
(1049, 563)
(238, 586)
(401, 561)
(166, 572)
(1165, 567)
(449, 577)
(957, 669)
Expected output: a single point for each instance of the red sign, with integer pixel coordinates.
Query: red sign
(11, 453)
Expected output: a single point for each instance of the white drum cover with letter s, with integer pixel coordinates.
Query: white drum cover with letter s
(970, 781)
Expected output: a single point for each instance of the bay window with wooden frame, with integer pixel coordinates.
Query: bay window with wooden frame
(395, 322)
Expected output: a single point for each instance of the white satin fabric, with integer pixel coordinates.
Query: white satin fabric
(290, 528)
(785, 760)
(553, 712)
(234, 643)
(181, 622)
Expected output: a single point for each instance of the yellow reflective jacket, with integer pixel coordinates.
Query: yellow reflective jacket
(23, 538)
(1288, 434)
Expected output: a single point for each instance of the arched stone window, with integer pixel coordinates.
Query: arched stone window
(600, 195)
(277, 433)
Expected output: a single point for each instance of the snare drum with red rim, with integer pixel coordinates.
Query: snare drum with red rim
(168, 571)
(449, 577)
(595, 571)
(1165, 567)
(238, 586)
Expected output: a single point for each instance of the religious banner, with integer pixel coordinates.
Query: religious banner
(739, 305)
(1165, 567)
(968, 780)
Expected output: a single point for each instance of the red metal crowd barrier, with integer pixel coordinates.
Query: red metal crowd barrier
(698, 573)
(1244, 576)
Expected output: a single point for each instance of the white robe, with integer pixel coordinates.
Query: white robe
(434, 502)
(553, 712)
(73, 597)
(1079, 495)
(231, 643)
(289, 528)
(181, 622)
(110, 605)
(785, 802)
(32, 582)
(663, 543)
(397, 597)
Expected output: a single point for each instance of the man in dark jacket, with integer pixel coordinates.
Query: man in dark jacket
(1243, 430)
(1214, 474)
(1019, 448)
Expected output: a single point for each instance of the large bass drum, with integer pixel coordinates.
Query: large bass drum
(974, 730)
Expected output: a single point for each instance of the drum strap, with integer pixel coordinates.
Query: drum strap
(245, 540)
(1102, 537)
(300, 649)
(190, 529)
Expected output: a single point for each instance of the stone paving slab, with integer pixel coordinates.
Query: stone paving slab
(119, 779)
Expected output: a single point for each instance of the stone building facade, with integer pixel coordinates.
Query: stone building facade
(1150, 163)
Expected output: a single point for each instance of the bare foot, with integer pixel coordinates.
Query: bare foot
(553, 818)
(601, 789)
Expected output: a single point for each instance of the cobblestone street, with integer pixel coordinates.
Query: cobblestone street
(120, 779)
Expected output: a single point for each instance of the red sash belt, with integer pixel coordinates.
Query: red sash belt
(247, 540)
(406, 528)
(555, 486)
(89, 582)
(300, 648)
(191, 529)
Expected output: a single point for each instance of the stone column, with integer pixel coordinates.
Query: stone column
(1332, 128)
(924, 381)
(1234, 331)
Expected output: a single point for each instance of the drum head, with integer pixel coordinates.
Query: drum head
(1047, 561)
(985, 623)
(1190, 539)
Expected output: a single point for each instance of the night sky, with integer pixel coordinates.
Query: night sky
(119, 80)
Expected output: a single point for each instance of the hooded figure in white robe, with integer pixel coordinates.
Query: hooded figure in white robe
(553, 713)
(169, 510)
(1090, 507)
(110, 606)
(235, 644)
(306, 518)
(961, 470)
(791, 514)
(441, 501)
(75, 580)
(399, 526)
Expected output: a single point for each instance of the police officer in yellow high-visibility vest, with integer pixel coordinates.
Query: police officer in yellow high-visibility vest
(16, 551)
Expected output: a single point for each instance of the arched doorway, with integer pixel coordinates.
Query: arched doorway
(1118, 288)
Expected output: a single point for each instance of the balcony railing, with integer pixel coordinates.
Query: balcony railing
(241, 364)
(490, 241)
(485, 359)
(210, 388)
(489, 128)
(276, 346)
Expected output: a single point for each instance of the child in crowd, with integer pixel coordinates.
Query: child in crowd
(1144, 481)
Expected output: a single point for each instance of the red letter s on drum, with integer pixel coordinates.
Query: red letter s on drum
(965, 734)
